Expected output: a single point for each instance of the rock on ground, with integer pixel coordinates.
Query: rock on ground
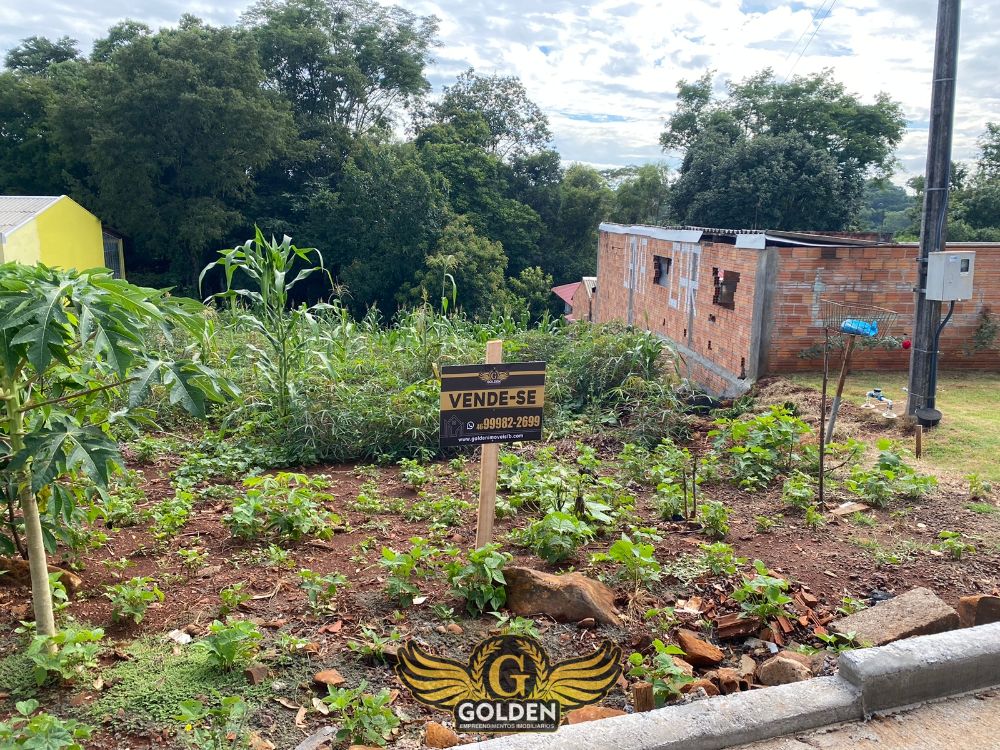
(437, 735)
(917, 612)
(980, 609)
(567, 598)
(592, 713)
(697, 651)
(780, 670)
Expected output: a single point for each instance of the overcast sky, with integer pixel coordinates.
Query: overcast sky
(606, 72)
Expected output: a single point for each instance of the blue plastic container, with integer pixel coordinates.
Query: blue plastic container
(860, 327)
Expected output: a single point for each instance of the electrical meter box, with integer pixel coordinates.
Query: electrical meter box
(949, 275)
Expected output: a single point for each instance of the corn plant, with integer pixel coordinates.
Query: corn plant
(268, 265)
(75, 348)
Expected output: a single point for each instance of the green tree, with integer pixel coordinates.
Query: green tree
(170, 133)
(73, 348)
(516, 125)
(530, 293)
(475, 264)
(36, 54)
(30, 162)
(380, 224)
(120, 35)
(885, 207)
(786, 155)
(584, 200)
(641, 195)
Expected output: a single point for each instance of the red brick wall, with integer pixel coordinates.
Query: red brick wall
(580, 304)
(881, 276)
(707, 329)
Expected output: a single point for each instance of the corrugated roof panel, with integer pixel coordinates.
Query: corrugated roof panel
(17, 209)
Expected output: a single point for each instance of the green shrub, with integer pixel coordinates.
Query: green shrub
(799, 491)
(230, 644)
(763, 596)
(403, 567)
(66, 655)
(556, 537)
(661, 670)
(762, 446)
(132, 598)
(220, 727)
(232, 598)
(953, 544)
(720, 559)
(371, 645)
(320, 590)
(636, 559)
(480, 580)
(41, 731)
(288, 505)
(364, 718)
(714, 519)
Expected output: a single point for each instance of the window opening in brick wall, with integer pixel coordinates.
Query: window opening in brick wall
(828, 253)
(711, 318)
(661, 270)
(743, 368)
(725, 288)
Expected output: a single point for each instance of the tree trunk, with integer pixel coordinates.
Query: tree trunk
(41, 596)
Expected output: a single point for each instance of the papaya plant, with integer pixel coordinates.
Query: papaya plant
(78, 353)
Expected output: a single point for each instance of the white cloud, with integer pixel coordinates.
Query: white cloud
(606, 70)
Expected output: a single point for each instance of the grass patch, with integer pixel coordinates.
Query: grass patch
(985, 508)
(17, 676)
(968, 438)
(147, 690)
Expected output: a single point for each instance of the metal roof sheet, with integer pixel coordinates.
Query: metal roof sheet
(17, 209)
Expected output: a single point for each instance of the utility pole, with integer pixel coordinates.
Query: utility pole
(935, 215)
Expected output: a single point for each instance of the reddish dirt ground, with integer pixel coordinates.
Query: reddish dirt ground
(825, 562)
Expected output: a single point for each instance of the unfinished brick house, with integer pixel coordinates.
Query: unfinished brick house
(739, 305)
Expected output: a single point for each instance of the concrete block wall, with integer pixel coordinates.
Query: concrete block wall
(881, 276)
(714, 341)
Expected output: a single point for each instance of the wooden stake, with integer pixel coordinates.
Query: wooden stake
(488, 455)
(919, 435)
(642, 697)
(844, 367)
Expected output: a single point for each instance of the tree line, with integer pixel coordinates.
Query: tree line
(313, 118)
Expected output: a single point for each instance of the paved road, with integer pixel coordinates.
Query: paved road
(969, 723)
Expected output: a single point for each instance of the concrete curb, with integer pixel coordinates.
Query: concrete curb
(877, 679)
(925, 668)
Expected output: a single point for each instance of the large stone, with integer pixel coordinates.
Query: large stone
(437, 735)
(917, 612)
(697, 651)
(592, 713)
(329, 678)
(779, 670)
(981, 609)
(812, 662)
(567, 598)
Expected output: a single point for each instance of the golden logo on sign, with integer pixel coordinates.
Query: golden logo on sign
(494, 376)
(508, 684)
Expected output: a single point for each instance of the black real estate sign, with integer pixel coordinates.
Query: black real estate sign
(491, 403)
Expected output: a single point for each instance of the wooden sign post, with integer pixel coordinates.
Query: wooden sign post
(488, 456)
(487, 405)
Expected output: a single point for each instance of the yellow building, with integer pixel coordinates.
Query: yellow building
(57, 231)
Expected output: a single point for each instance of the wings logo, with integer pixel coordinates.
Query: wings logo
(508, 684)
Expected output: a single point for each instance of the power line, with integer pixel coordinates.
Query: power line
(812, 22)
(815, 31)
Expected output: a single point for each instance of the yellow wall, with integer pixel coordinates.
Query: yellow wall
(65, 235)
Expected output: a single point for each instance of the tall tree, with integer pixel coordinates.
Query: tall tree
(29, 159)
(36, 54)
(786, 155)
(516, 125)
(641, 195)
(171, 132)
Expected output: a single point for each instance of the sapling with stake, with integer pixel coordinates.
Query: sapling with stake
(73, 347)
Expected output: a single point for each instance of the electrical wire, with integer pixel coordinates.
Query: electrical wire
(813, 36)
(812, 22)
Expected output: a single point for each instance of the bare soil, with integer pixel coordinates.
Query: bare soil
(828, 562)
